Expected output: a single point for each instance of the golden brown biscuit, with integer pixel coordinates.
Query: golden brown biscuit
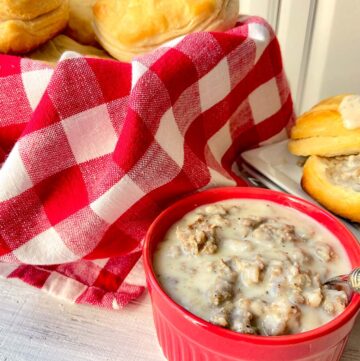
(321, 131)
(26, 9)
(21, 36)
(334, 183)
(80, 21)
(324, 119)
(52, 50)
(326, 146)
(126, 28)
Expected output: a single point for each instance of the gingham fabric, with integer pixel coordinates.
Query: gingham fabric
(94, 149)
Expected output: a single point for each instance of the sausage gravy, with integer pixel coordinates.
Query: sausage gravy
(252, 266)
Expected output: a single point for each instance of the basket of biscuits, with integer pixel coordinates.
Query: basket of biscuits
(124, 29)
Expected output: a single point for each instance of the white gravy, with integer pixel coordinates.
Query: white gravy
(252, 266)
(344, 171)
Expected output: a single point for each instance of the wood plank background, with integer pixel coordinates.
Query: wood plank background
(35, 326)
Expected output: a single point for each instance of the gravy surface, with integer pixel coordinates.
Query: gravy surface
(344, 171)
(252, 266)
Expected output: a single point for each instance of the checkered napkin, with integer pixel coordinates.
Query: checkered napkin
(94, 149)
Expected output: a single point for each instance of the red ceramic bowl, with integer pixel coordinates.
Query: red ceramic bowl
(185, 337)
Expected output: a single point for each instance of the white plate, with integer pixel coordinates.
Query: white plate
(284, 171)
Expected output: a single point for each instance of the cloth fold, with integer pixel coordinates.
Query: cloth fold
(94, 149)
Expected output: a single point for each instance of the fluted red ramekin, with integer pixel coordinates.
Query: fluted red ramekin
(186, 337)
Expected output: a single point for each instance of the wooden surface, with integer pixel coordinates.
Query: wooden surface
(35, 326)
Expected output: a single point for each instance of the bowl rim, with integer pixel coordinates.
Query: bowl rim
(349, 312)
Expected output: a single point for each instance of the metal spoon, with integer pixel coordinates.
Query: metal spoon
(351, 280)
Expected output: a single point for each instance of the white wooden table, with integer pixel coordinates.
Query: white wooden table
(35, 326)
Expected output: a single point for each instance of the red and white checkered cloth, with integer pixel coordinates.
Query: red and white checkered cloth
(94, 149)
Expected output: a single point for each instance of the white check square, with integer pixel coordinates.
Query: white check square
(14, 178)
(169, 137)
(90, 133)
(117, 200)
(35, 83)
(45, 248)
(265, 101)
(64, 287)
(260, 35)
(215, 85)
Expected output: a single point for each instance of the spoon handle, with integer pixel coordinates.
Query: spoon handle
(354, 279)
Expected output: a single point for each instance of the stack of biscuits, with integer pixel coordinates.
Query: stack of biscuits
(124, 28)
(329, 135)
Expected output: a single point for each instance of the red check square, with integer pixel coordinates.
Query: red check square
(23, 217)
(62, 194)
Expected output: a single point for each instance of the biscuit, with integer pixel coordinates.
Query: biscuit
(21, 36)
(127, 28)
(80, 26)
(321, 131)
(335, 184)
(26, 9)
(326, 146)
